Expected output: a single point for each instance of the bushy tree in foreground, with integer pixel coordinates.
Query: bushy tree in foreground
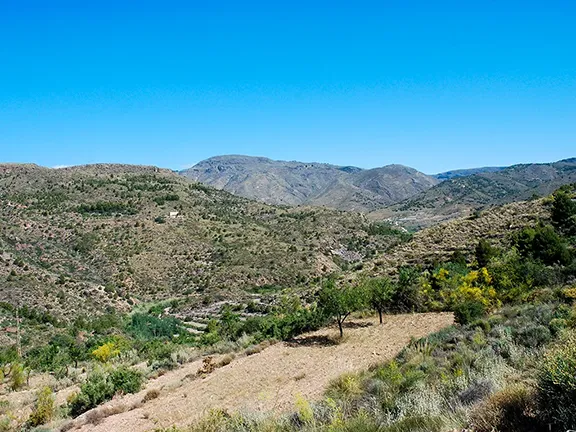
(380, 292)
(484, 253)
(340, 302)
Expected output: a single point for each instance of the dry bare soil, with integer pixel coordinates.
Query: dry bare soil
(268, 381)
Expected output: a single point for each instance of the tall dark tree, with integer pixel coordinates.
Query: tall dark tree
(563, 213)
(484, 253)
(407, 295)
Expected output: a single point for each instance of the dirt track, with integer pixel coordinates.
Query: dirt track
(271, 379)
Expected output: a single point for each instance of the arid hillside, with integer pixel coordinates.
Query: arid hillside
(460, 196)
(440, 242)
(315, 184)
(92, 237)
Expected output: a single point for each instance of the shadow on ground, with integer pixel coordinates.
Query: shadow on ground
(311, 341)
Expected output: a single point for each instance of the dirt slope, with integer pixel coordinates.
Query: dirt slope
(271, 379)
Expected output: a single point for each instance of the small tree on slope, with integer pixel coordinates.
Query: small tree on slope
(340, 302)
(380, 292)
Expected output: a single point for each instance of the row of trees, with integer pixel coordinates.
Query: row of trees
(340, 302)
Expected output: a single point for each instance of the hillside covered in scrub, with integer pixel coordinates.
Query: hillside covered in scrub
(464, 195)
(508, 363)
(102, 236)
(125, 286)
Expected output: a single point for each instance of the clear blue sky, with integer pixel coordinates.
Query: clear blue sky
(435, 85)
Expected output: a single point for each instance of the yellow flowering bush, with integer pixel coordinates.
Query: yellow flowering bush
(474, 287)
(105, 352)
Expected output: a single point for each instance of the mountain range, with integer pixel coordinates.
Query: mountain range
(461, 196)
(392, 191)
(313, 184)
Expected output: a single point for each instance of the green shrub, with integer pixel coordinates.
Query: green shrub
(93, 392)
(483, 324)
(556, 325)
(146, 326)
(102, 386)
(126, 380)
(44, 408)
(407, 296)
(156, 350)
(17, 378)
(346, 386)
(557, 384)
(484, 253)
(544, 244)
(533, 335)
(163, 365)
(563, 213)
(468, 312)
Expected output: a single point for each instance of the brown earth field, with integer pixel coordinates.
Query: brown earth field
(265, 382)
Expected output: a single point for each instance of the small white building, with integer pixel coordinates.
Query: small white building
(173, 214)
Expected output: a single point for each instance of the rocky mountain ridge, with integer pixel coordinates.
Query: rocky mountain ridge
(392, 191)
(463, 196)
(314, 184)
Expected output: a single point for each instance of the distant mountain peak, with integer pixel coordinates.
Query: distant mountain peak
(310, 183)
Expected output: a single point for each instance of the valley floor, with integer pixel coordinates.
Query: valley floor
(268, 381)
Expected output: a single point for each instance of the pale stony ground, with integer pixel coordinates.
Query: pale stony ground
(268, 381)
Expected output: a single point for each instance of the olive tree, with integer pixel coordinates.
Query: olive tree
(340, 302)
(380, 293)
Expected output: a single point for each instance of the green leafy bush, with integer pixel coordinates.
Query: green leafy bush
(44, 408)
(146, 326)
(126, 380)
(17, 378)
(407, 296)
(468, 312)
(102, 386)
(545, 244)
(156, 350)
(557, 384)
(533, 335)
(93, 392)
(563, 213)
(484, 253)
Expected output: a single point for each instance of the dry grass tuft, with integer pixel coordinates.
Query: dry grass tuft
(512, 409)
(226, 360)
(254, 349)
(96, 416)
(150, 395)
